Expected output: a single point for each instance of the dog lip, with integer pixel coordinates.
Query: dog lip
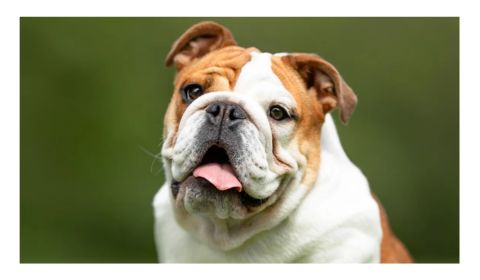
(246, 199)
(207, 155)
(175, 187)
(251, 201)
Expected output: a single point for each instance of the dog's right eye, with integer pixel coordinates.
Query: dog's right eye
(191, 92)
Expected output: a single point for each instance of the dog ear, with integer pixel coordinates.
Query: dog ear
(197, 41)
(332, 91)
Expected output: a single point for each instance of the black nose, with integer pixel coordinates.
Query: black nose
(225, 114)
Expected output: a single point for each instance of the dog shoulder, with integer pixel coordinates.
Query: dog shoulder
(340, 212)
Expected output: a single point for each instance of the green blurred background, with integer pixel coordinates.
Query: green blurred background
(94, 91)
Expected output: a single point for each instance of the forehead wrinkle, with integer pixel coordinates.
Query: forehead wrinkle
(227, 73)
(227, 62)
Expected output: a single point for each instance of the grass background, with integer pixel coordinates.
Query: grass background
(93, 92)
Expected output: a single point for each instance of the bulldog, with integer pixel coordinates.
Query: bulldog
(254, 168)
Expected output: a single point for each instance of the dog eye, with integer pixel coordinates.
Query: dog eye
(278, 113)
(191, 92)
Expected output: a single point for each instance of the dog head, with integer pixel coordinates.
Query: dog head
(242, 133)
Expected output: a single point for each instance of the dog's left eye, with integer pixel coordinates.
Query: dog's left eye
(191, 92)
(278, 113)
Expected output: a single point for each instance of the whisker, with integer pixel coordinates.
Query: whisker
(156, 157)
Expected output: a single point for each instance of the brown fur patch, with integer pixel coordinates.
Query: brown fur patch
(392, 249)
(216, 71)
(310, 117)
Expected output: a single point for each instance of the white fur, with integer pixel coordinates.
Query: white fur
(336, 221)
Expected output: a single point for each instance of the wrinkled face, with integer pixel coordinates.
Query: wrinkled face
(242, 133)
(241, 124)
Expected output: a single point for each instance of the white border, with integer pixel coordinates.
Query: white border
(195, 8)
(9, 110)
(244, 271)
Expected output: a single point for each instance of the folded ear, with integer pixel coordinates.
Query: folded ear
(332, 91)
(197, 41)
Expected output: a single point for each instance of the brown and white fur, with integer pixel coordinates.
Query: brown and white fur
(302, 199)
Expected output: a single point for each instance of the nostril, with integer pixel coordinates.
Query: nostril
(213, 109)
(236, 113)
(229, 114)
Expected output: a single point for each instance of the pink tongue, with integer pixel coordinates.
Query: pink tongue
(219, 175)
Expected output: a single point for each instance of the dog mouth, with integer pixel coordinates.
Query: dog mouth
(216, 173)
(216, 168)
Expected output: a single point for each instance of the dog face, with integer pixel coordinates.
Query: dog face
(242, 133)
